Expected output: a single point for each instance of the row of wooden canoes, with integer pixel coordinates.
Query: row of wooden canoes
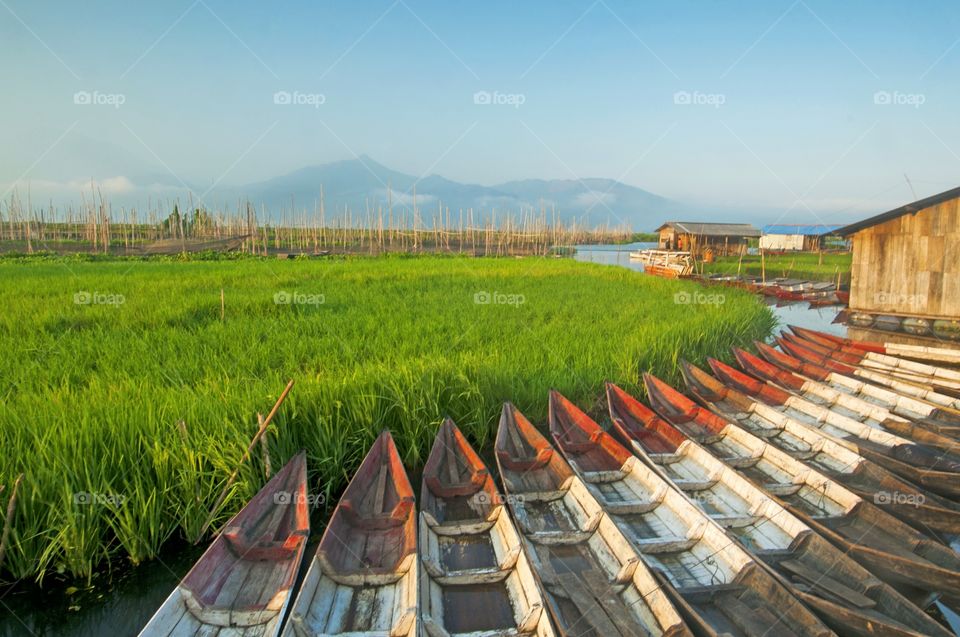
(816, 293)
(782, 498)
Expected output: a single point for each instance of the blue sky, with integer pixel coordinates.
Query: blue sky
(800, 108)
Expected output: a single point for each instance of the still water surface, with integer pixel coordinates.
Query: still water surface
(789, 314)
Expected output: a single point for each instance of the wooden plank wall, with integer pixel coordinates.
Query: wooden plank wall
(909, 265)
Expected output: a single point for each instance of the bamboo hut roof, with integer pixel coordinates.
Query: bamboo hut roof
(712, 229)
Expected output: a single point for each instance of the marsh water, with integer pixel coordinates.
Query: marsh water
(788, 314)
(121, 602)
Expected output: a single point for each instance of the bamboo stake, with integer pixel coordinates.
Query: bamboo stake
(246, 454)
(265, 449)
(8, 520)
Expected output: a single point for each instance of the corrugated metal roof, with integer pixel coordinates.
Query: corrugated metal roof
(910, 208)
(712, 229)
(811, 231)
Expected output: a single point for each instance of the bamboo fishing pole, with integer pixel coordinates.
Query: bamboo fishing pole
(246, 454)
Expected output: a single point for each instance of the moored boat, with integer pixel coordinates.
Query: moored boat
(820, 450)
(362, 581)
(858, 356)
(723, 589)
(888, 547)
(665, 263)
(946, 355)
(942, 379)
(595, 583)
(846, 404)
(850, 599)
(938, 418)
(924, 466)
(916, 389)
(475, 578)
(242, 583)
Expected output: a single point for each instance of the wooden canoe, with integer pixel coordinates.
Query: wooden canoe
(845, 404)
(825, 453)
(362, 581)
(723, 588)
(241, 585)
(474, 576)
(889, 548)
(924, 466)
(946, 355)
(847, 597)
(938, 418)
(915, 389)
(899, 368)
(900, 365)
(595, 583)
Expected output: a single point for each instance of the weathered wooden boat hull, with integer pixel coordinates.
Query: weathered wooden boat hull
(847, 597)
(940, 419)
(921, 509)
(923, 352)
(901, 369)
(362, 581)
(923, 466)
(475, 578)
(595, 583)
(897, 364)
(915, 388)
(242, 583)
(662, 271)
(867, 413)
(734, 595)
(889, 548)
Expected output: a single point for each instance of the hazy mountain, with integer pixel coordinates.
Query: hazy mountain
(78, 166)
(360, 182)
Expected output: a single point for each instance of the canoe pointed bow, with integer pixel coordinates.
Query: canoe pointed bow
(762, 369)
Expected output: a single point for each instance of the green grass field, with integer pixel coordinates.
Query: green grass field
(804, 265)
(103, 359)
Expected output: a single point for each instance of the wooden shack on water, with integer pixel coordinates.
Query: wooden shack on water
(696, 237)
(906, 268)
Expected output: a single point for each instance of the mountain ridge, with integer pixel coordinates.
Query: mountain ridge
(363, 182)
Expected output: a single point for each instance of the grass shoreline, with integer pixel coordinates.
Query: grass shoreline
(94, 386)
(800, 265)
